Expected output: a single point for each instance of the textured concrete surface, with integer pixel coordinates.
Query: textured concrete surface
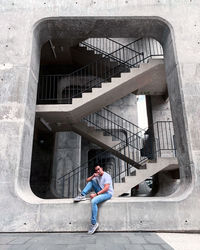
(103, 241)
(100, 241)
(25, 26)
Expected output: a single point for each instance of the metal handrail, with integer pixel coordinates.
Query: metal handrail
(131, 124)
(166, 137)
(88, 44)
(92, 75)
(114, 132)
(120, 146)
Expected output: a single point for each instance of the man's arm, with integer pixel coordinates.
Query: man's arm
(104, 190)
(91, 177)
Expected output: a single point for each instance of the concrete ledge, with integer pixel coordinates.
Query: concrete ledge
(117, 214)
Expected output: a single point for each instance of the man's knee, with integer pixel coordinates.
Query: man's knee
(93, 182)
(94, 201)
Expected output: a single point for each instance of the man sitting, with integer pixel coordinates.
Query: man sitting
(101, 183)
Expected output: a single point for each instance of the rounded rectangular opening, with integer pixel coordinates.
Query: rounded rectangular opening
(50, 38)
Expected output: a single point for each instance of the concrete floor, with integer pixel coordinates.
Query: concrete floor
(100, 241)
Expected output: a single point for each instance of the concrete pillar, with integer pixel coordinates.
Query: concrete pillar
(67, 157)
(161, 110)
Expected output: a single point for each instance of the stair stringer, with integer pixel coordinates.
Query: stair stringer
(143, 174)
(110, 92)
(103, 141)
(96, 136)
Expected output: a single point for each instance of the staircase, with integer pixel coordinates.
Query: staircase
(120, 148)
(107, 129)
(127, 175)
(108, 47)
(70, 182)
(114, 125)
(139, 176)
(73, 100)
(98, 84)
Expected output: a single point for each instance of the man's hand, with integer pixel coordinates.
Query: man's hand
(92, 196)
(92, 176)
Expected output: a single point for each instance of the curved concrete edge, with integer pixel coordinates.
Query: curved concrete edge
(117, 214)
(26, 195)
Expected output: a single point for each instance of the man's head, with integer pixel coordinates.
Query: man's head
(99, 170)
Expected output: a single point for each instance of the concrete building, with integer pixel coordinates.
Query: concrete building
(69, 84)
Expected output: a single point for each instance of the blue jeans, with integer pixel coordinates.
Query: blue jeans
(97, 199)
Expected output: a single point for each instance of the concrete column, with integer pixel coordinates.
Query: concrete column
(161, 110)
(67, 157)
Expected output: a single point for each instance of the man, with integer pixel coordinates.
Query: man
(101, 183)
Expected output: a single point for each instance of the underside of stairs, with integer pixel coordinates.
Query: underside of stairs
(82, 57)
(117, 148)
(142, 174)
(147, 73)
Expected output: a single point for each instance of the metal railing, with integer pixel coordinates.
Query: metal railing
(157, 142)
(106, 47)
(61, 89)
(115, 126)
(101, 45)
(108, 119)
(164, 139)
(73, 181)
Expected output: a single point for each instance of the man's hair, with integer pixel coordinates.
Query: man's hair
(97, 166)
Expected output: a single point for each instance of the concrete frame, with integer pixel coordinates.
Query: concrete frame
(21, 210)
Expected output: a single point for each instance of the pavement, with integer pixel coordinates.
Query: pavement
(100, 241)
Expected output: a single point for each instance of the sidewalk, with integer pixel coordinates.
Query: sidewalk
(100, 241)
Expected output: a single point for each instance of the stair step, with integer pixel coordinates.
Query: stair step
(143, 166)
(151, 169)
(131, 175)
(114, 82)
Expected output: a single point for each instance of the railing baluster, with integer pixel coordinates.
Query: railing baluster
(126, 56)
(161, 132)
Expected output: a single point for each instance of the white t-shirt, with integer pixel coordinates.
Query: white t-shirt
(104, 179)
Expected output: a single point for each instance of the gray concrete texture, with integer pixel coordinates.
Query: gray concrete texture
(25, 26)
(103, 241)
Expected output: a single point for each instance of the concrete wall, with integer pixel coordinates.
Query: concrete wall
(161, 110)
(25, 26)
(126, 108)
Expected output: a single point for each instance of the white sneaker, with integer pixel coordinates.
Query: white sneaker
(93, 228)
(80, 198)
